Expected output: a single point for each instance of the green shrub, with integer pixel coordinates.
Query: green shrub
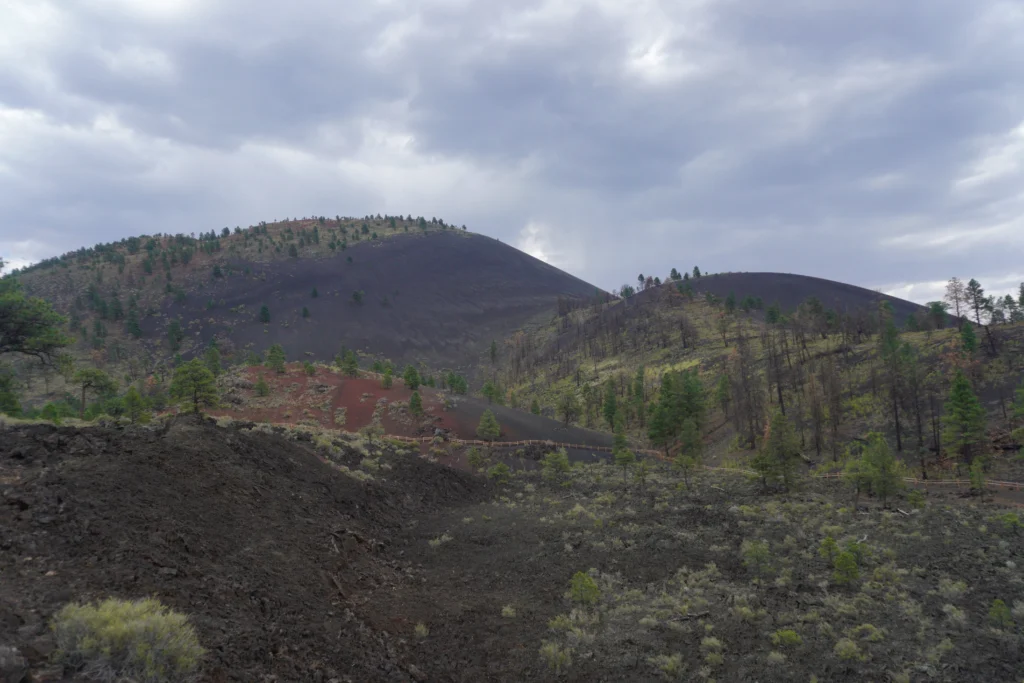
(847, 650)
(500, 473)
(1011, 521)
(999, 614)
(916, 499)
(583, 589)
(756, 555)
(557, 658)
(786, 638)
(140, 640)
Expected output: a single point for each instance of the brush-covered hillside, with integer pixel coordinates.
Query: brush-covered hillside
(838, 373)
(414, 291)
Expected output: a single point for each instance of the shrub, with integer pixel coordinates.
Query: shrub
(756, 555)
(1011, 521)
(557, 658)
(475, 458)
(916, 499)
(847, 650)
(309, 368)
(508, 611)
(999, 614)
(583, 589)
(421, 630)
(500, 473)
(952, 590)
(140, 640)
(786, 638)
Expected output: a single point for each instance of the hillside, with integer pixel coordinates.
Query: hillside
(318, 557)
(789, 290)
(414, 291)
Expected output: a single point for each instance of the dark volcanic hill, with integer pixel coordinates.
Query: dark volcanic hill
(411, 291)
(437, 297)
(790, 290)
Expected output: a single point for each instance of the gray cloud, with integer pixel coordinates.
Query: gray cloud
(874, 142)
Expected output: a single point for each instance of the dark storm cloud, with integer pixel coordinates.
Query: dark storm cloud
(874, 142)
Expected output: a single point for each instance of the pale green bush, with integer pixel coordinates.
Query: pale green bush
(139, 640)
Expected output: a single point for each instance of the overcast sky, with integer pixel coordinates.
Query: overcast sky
(871, 141)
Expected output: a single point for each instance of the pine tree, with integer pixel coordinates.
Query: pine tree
(314, 293)
(416, 404)
(488, 429)
(621, 454)
(976, 299)
(535, 407)
(194, 383)
(388, 378)
(884, 471)
(305, 312)
(212, 359)
(610, 403)
(568, 406)
(262, 388)
(9, 403)
(964, 421)
(350, 364)
(411, 377)
(264, 314)
(276, 358)
(968, 338)
(132, 324)
(136, 407)
(95, 381)
(777, 460)
(494, 352)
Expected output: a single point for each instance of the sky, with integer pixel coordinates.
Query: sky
(875, 142)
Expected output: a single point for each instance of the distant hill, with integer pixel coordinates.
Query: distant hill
(409, 290)
(790, 290)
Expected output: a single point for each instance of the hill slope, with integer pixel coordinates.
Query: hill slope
(427, 292)
(790, 290)
(438, 298)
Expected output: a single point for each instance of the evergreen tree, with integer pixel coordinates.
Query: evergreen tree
(388, 379)
(621, 454)
(136, 406)
(212, 358)
(28, 325)
(175, 335)
(262, 388)
(9, 403)
(350, 364)
(494, 352)
(305, 312)
(276, 358)
(568, 406)
(884, 471)
(314, 293)
(968, 338)
(95, 381)
(696, 272)
(964, 421)
(416, 404)
(535, 407)
(937, 312)
(730, 302)
(674, 275)
(488, 429)
(264, 314)
(610, 402)
(411, 377)
(132, 324)
(976, 299)
(691, 449)
(777, 460)
(194, 384)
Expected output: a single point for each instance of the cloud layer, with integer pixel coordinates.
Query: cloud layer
(868, 141)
